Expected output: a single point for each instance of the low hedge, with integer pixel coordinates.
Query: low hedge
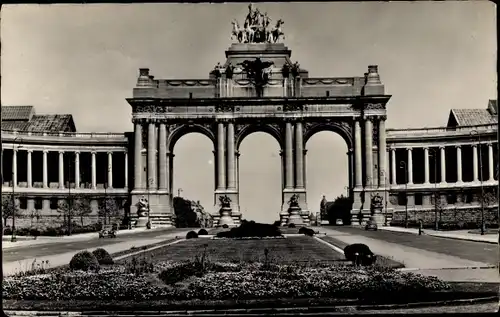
(54, 231)
(251, 229)
(103, 257)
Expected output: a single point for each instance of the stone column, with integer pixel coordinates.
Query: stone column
(299, 155)
(126, 169)
(138, 155)
(369, 152)
(14, 167)
(288, 155)
(45, 173)
(94, 167)
(110, 169)
(474, 162)
(358, 170)
(61, 169)
(30, 171)
(77, 169)
(459, 164)
(305, 168)
(426, 165)
(231, 158)
(237, 168)
(443, 164)
(393, 166)
(410, 165)
(162, 159)
(221, 166)
(151, 182)
(382, 150)
(491, 169)
(170, 169)
(283, 172)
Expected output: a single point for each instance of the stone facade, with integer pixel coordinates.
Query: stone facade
(406, 167)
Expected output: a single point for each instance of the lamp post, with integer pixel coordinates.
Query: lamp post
(402, 164)
(436, 221)
(385, 197)
(14, 208)
(472, 133)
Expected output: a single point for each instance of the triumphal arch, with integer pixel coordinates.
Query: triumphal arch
(258, 88)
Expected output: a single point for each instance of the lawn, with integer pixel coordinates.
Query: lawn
(286, 250)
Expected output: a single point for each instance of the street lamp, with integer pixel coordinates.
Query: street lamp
(14, 208)
(436, 221)
(402, 164)
(385, 197)
(472, 133)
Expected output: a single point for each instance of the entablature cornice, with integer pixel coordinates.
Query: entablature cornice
(165, 105)
(64, 139)
(412, 145)
(56, 148)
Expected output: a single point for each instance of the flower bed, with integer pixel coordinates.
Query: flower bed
(219, 281)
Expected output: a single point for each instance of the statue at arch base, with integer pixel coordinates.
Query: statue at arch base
(294, 211)
(142, 212)
(376, 206)
(225, 212)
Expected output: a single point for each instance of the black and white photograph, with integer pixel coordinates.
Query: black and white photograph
(249, 158)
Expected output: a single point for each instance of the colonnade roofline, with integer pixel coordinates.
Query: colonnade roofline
(441, 133)
(87, 138)
(259, 100)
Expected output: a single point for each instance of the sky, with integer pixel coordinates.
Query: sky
(84, 60)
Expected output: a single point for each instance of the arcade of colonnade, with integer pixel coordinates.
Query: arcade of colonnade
(42, 175)
(154, 140)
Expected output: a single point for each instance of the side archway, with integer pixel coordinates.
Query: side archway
(177, 132)
(344, 129)
(248, 129)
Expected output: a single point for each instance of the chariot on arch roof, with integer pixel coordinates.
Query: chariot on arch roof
(257, 28)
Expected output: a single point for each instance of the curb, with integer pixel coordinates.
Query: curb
(442, 236)
(148, 249)
(333, 247)
(282, 310)
(450, 268)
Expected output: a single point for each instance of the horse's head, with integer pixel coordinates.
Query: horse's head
(280, 23)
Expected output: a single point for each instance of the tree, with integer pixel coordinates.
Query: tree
(340, 209)
(10, 208)
(66, 209)
(82, 208)
(35, 213)
(108, 208)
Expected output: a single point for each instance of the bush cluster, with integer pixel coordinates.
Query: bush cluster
(84, 261)
(359, 254)
(202, 232)
(191, 235)
(103, 257)
(306, 231)
(251, 229)
(223, 281)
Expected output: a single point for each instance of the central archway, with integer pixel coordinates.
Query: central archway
(260, 175)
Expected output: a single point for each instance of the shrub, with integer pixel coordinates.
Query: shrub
(34, 232)
(191, 235)
(359, 254)
(277, 223)
(202, 232)
(225, 226)
(251, 229)
(84, 261)
(103, 257)
(291, 225)
(306, 231)
(7, 231)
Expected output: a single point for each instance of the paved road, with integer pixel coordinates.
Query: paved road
(469, 250)
(39, 250)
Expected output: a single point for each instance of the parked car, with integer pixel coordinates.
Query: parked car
(339, 222)
(371, 225)
(107, 232)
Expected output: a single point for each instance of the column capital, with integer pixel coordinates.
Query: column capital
(170, 154)
(45, 151)
(109, 152)
(442, 147)
(61, 151)
(237, 153)
(409, 149)
(289, 120)
(29, 150)
(77, 152)
(93, 152)
(304, 151)
(392, 149)
(458, 146)
(125, 152)
(489, 143)
(474, 145)
(281, 152)
(425, 148)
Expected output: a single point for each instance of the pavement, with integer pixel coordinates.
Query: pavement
(450, 259)
(23, 241)
(60, 253)
(455, 234)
